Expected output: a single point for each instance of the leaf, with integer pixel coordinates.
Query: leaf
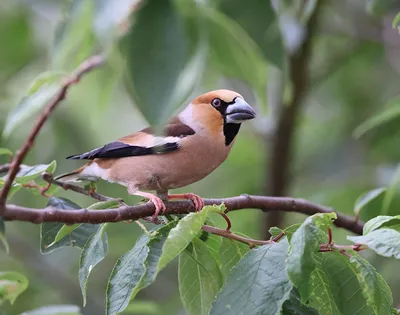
(244, 61)
(181, 235)
(159, 27)
(335, 288)
(136, 269)
(12, 284)
(385, 242)
(293, 306)
(381, 221)
(213, 242)
(391, 191)
(251, 287)
(94, 251)
(127, 273)
(365, 198)
(260, 23)
(64, 231)
(4, 151)
(55, 310)
(374, 287)
(391, 112)
(109, 204)
(143, 308)
(304, 244)
(28, 173)
(42, 90)
(48, 231)
(231, 253)
(396, 22)
(74, 39)
(3, 235)
(199, 278)
(275, 231)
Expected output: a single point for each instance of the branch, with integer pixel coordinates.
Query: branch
(281, 147)
(86, 66)
(49, 178)
(125, 213)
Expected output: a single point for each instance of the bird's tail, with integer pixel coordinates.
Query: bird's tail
(71, 177)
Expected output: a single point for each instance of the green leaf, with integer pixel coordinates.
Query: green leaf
(199, 278)
(396, 22)
(159, 27)
(231, 253)
(136, 269)
(244, 61)
(143, 308)
(4, 151)
(42, 90)
(304, 244)
(12, 284)
(126, 275)
(64, 231)
(213, 242)
(74, 39)
(391, 112)
(181, 235)
(373, 286)
(385, 242)
(365, 198)
(28, 173)
(109, 204)
(94, 251)
(48, 231)
(260, 23)
(251, 287)
(55, 310)
(3, 235)
(275, 231)
(391, 191)
(335, 288)
(293, 306)
(382, 221)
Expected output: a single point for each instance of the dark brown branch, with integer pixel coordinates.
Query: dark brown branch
(85, 67)
(125, 213)
(280, 150)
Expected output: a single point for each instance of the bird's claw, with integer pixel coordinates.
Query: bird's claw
(160, 206)
(197, 200)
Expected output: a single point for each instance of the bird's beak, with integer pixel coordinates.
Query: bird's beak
(239, 111)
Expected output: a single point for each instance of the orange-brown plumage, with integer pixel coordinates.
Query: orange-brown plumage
(195, 143)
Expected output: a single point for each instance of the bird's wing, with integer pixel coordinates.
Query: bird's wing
(143, 142)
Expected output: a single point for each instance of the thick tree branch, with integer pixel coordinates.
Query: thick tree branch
(281, 146)
(85, 67)
(124, 213)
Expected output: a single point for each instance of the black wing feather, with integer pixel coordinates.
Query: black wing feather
(119, 149)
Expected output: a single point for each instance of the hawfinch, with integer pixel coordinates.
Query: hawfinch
(194, 144)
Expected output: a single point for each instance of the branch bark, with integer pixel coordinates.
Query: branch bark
(281, 147)
(86, 66)
(124, 213)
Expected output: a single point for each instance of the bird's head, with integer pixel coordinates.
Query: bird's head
(218, 111)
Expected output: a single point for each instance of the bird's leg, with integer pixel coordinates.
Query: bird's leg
(158, 203)
(197, 200)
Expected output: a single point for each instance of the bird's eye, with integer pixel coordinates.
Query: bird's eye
(216, 102)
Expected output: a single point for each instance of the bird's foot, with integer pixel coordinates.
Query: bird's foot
(197, 200)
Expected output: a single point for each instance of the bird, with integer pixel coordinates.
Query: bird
(193, 144)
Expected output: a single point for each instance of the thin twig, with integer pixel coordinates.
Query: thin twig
(49, 178)
(233, 236)
(86, 66)
(124, 213)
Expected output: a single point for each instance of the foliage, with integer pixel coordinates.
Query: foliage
(195, 44)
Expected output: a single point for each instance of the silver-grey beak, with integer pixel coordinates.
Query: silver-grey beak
(239, 112)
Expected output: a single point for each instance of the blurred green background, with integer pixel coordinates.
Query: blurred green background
(248, 46)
